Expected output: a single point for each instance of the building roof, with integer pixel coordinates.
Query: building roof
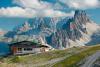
(27, 43)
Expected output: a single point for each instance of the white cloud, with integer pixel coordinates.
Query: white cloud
(29, 13)
(13, 11)
(35, 4)
(55, 13)
(32, 8)
(81, 4)
(38, 8)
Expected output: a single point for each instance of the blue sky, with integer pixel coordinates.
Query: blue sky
(16, 12)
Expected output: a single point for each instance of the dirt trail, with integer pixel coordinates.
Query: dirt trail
(91, 59)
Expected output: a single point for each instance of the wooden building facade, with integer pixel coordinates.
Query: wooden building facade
(27, 47)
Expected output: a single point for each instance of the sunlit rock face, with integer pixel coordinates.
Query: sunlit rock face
(76, 31)
(57, 32)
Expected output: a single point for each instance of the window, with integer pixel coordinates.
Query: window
(19, 49)
(28, 49)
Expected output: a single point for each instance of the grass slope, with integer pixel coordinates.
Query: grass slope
(26, 60)
(73, 60)
(12, 61)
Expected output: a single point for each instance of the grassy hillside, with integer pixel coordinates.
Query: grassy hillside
(29, 60)
(73, 60)
(37, 58)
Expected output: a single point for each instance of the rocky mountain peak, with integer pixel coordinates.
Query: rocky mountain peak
(25, 27)
(59, 32)
(81, 17)
(75, 31)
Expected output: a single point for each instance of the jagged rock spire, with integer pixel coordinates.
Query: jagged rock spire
(60, 32)
(73, 30)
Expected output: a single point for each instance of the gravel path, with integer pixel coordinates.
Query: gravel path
(91, 59)
(54, 61)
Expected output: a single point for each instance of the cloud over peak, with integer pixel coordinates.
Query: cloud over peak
(35, 4)
(39, 8)
(32, 8)
(29, 13)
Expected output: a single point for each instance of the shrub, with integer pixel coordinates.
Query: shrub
(15, 59)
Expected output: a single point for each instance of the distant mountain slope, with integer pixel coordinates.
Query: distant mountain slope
(58, 32)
